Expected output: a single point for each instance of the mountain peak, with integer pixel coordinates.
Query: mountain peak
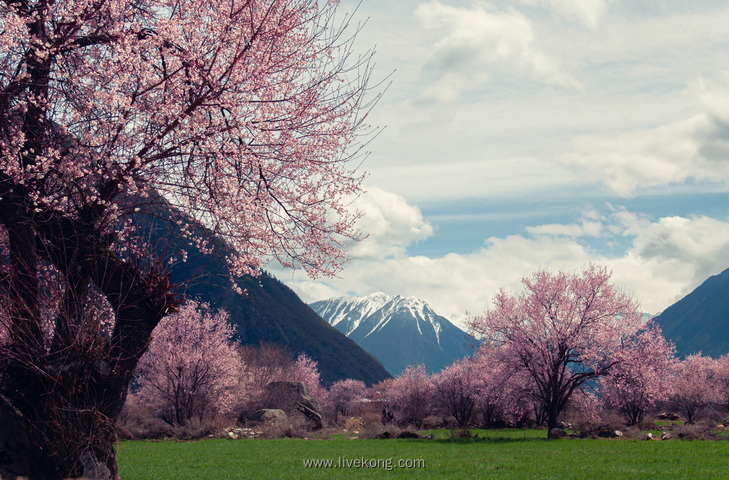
(398, 330)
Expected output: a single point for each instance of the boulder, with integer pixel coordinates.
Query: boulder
(668, 416)
(557, 433)
(271, 419)
(294, 399)
(608, 433)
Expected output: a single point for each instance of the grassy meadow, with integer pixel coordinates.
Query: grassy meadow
(507, 454)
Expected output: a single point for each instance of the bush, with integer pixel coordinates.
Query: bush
(197, 428)
(141, 427)
(692, 431)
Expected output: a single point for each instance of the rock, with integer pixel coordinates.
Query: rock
(94, 469)
(556, 433)
(353, 423)
(270, 419)
(617, 434)
(667, 416)
(235, 433)
(295, 401)
(409, 435)
(720, 427)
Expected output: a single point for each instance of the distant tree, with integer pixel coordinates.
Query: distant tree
(343, 395)
(502, 391)
(695, 385)
(564, 330)
(456, 390)
(722, 379)
(266, 363)
(410, 395)
(642, 376)
(192, 368)
(306, 371)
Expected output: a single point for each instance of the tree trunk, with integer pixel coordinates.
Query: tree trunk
(552, 417)
(59, 400)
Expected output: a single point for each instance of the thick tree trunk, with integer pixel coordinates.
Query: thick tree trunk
(552, 418)
(69, 431)
(60, 396)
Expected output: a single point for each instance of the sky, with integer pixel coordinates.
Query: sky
(527, 134)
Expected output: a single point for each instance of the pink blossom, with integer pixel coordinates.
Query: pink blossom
(457, 389)
(642, 376)
(695, 385)
(563, 330)
(192, 367)
(342, 397)
(410, 395)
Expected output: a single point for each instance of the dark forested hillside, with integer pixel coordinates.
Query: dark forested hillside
(269, 311)
(699, 322)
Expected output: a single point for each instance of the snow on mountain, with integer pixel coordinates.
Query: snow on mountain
(399, 331)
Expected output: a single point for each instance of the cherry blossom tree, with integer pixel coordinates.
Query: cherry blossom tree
(456, 390)
(410, 395)
(563, 330)
(264, 364)
(239, 119)
(642, 377)
(343, 396)
(192, 368)
(695, 385)
(722, 379)
(306, 371)
(502, 391)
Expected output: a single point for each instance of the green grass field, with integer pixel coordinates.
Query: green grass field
(516, 454)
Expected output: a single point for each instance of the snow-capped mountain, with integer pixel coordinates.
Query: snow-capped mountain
(398, 331)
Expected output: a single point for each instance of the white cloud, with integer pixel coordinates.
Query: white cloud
(587, 12)
(588, 226)
(476, 42)
(389, 222)
(696, 148)
(663, 261)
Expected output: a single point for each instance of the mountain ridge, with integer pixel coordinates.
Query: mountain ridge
(699, 322)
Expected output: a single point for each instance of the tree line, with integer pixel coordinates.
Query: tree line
(569, 344)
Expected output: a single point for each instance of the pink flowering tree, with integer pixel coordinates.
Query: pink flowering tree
(410, 396)
(342, 397)
(502, 391)
(457, 390)
(695, 385)
(722, 379)
(237, 118)
(563, 330)
(642, 377)
(306, 371)
(192, 368)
